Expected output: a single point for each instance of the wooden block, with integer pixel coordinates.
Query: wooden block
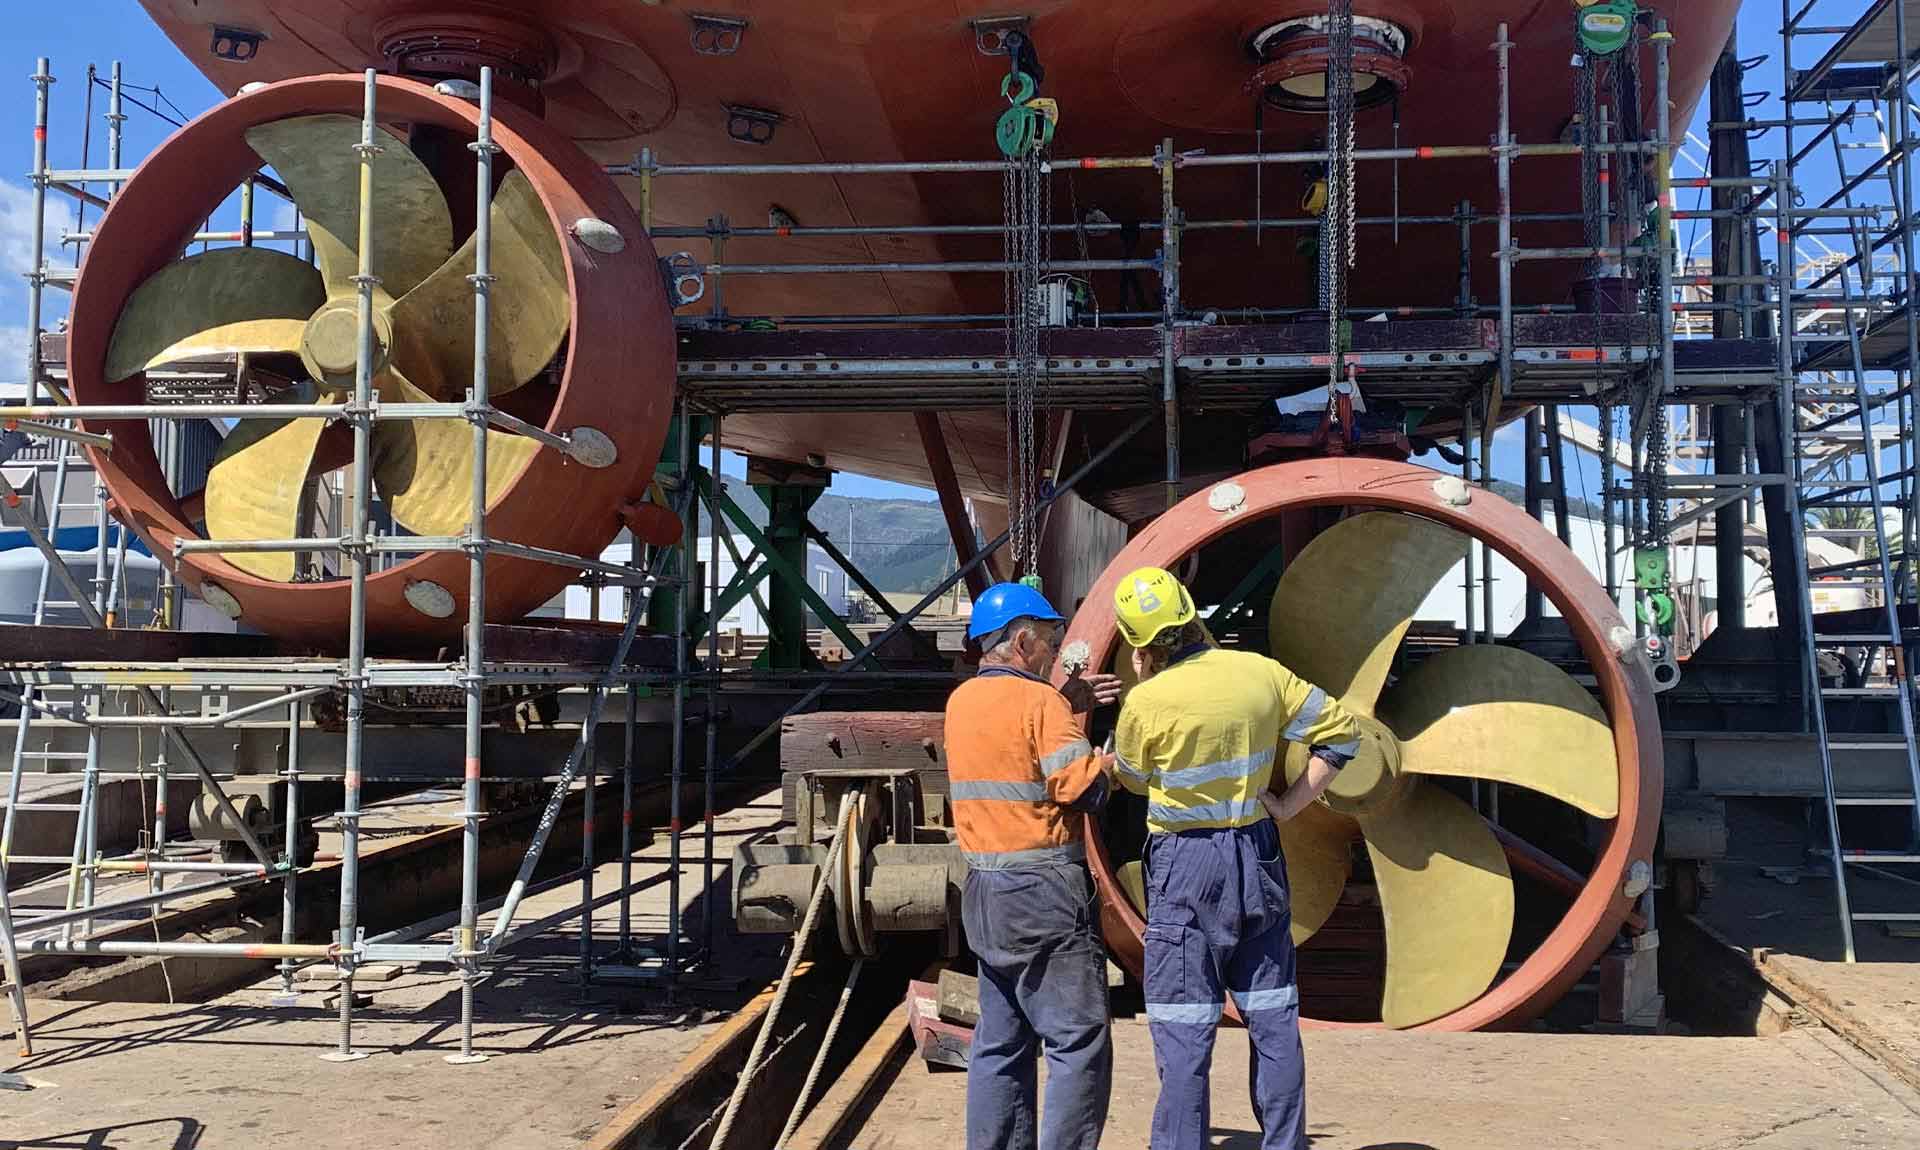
(959, 998)
(377, 972)
(939, 1042)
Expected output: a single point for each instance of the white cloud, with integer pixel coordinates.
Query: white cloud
(13, 358)
(16, 228)
(16, 259)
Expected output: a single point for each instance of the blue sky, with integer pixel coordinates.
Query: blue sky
(75, 32)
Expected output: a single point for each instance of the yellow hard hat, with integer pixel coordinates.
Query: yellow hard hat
(1149, 601)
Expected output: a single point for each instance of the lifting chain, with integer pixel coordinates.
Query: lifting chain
(1025, 136)
(1337, 225)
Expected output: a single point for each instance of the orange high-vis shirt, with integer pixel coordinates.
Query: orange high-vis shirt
(1016, 758)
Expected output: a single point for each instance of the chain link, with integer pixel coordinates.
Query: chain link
(1337, 225)
(1027, 204)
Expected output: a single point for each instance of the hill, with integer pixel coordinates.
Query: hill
(899, 544)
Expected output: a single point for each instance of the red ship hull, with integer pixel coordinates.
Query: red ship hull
(899, 80)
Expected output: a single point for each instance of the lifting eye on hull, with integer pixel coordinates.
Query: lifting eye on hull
(1291, 63)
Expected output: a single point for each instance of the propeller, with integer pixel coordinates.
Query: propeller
(259, 302)
(1337, 618)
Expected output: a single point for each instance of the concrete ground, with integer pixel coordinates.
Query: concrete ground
(1770, 900)
(1805, 1090)
(240, 1072)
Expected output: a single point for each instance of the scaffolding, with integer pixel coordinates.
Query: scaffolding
(1849, 337)
(1148, 365)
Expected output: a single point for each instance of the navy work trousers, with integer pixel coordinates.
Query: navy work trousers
(1043, 982)
(1218, 922)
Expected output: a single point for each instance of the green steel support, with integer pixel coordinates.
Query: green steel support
(740, 563)
(663, 603)
(845, 564)
(788, 492)
(1237, 597)
(745, 582)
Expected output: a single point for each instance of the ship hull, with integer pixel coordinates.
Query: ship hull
(893, 80)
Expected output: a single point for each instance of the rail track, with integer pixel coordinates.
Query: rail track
(683, 1110)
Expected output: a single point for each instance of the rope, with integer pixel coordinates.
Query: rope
(800, 941)
(820, 1057)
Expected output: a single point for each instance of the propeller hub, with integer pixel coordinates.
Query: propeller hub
(1373, 781)
(330, 344)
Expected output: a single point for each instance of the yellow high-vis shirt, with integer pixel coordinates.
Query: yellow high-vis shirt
(1200, 738)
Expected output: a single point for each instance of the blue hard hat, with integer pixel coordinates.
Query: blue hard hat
(1002, 603)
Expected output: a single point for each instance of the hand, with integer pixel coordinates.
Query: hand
(1138, 657)
(1085, 692)
(1276, 809)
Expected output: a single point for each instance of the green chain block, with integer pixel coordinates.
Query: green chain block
(1605, 26)
(1027, 126)
(1032, 581)
(1650, 567)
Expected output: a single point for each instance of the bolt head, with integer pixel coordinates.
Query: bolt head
(1227, 497)
(592, 448)
(1452, 491)
(429, 598)
(599, 235)
(219, 598)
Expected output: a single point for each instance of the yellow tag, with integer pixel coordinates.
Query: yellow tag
(1048, 108)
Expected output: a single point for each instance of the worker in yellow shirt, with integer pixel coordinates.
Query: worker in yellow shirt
(1199, 737)
(1021, 774)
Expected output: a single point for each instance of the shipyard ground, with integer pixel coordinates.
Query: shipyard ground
(1383, 1091)
(1834, 1065)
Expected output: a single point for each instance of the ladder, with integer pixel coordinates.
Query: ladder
(80, 872)
(79, 862)
(1847, 472)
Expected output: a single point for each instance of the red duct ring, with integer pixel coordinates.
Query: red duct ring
(618, 376)
(1626, 691)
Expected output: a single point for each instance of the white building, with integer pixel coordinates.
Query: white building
(827, 580)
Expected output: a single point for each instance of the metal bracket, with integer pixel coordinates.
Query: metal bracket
(752, 125)
(715, 35)
(990, 34)
(686, 281)
(351, 953)
(1008, 36)
(405, 952)
(236, 44)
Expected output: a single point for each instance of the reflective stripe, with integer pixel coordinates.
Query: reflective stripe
(1345, 750)
(1230, 811)
(1016, 792)
(1201, 1013)
(1129, 770)
(1278, 998)
(1015, 860)
(1064, 757)
(1306, 716)
(1186, 778)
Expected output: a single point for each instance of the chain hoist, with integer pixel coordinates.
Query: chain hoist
(1337, 224)
(1025, 136)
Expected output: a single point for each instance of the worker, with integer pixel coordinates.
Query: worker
(1198, 736)
(1021, 774)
